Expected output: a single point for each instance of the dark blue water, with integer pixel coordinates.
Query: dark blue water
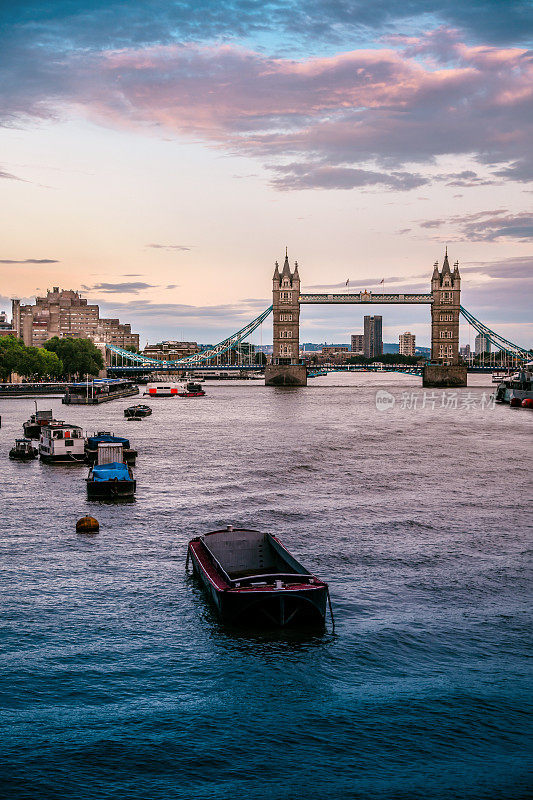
(119, 682)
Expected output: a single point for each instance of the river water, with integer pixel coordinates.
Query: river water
(119, 682)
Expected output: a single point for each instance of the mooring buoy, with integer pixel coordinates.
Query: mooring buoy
(87, 524)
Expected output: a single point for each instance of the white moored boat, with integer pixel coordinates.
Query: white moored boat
(162, 389)
(61, 443)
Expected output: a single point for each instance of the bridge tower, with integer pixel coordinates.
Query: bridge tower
(445, 369)
(285, 369)
(446, 291)
(286, 313)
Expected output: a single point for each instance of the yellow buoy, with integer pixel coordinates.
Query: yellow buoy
(87, 524)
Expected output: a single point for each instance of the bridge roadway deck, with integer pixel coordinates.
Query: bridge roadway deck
(366, 297)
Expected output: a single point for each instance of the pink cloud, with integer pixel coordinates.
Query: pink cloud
(358, 109)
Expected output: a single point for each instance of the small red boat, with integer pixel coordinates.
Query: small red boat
(515, 402)
(252, 579)
(527, 402)
(192, 390)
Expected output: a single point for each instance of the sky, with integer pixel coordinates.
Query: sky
(159, 156)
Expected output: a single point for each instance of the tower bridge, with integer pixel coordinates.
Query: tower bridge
(444, 299)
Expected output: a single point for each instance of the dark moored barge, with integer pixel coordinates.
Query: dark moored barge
(23, 450)
(33, 426)
(137, 412)
(252, 579)
(192, 389)
(99, 390)
(112, 481)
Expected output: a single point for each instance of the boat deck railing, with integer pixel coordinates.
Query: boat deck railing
(273, 575)
(307, 577)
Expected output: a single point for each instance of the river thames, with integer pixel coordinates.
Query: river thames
(118, 681)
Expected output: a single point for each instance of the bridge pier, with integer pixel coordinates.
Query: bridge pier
(444, 376)
(285, 375)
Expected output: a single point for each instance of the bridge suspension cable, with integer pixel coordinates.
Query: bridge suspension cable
(495, 338)
(237, 338)
(198, 358)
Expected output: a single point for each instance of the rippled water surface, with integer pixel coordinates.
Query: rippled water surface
(119, 682)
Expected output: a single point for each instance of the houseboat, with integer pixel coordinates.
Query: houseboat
(32, 427)
(61, 443)
(23, 450)
(252, 579)
(162, 390)
(110, 478)
(516, 388)
(105, 437)
(191, 389)
(137, 412)
(99, 390)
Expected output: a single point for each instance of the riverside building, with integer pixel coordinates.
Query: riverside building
(358, 344)
(482, 344)
(64, 313)
(373, 337)
(407, 344)
(170, 351)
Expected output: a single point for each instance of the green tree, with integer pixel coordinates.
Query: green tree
(11, 354)
(260, 358)
(30, 362)
(79, 356)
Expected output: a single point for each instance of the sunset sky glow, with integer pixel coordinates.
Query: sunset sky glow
(160, 155)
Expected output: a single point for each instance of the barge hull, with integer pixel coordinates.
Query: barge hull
(263, 606)
(110, 490)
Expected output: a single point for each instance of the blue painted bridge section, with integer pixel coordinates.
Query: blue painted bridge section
(136, 362)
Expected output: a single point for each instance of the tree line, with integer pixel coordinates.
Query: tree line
(58, 358)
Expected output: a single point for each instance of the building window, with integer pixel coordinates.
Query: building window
(285, 295)
(446, 317)
(285, 317)
(285, 334)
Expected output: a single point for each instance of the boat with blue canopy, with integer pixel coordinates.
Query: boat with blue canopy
(106, 437)
(110, 481)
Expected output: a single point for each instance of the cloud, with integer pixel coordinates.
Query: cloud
(8, 176)
(466, 178)
(180, 247)
(181, 314)
(358, 118)
(488, 226)
(518, 268)
(30, 261)
(305, 176)
(119, 288)
(113, 23)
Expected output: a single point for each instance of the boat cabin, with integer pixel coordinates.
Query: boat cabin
(62, 443)
(23, 450)
(162, 389)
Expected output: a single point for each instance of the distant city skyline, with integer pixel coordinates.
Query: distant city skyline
(163, 163)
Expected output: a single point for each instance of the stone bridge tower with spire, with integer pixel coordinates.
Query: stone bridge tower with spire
(446, 291)
(285, 369)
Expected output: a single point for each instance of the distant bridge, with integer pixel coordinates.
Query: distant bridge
(131, 362)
